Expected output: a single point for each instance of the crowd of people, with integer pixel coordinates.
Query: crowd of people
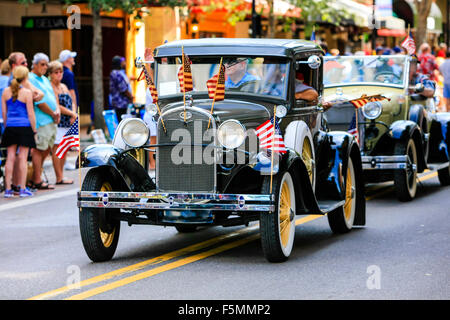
(38, 107)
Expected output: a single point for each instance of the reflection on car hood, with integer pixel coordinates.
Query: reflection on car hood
(228, 109)
(353, 92)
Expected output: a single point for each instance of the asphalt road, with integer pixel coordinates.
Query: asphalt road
(402, 253)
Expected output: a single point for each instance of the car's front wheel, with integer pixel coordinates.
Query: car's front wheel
(99, 230)
(278, 228)
(405, 181)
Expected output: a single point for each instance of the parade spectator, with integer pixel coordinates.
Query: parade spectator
(68, 117)
(5, 69)
(445, 71)
(119, 87)
(20, 129)
(67, 58)
(442, 50)
(415, 77)
(18, 59)
(334, 52)
(236, 73)
(427, 61)
(47, 116)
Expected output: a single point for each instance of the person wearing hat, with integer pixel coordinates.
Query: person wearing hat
(47, 116)
(67, 58)
(236, 72)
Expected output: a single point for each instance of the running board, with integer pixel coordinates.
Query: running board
(437, 166)
(327, 206)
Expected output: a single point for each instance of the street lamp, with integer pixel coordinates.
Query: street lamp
(374, 27)
(194, 27)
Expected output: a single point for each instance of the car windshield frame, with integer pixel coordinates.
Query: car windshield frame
(264, 68)
(353, 77)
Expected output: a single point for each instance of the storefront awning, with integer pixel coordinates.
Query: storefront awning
(391, 27)
(359, 12)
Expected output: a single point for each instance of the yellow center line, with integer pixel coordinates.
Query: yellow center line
(390, 187)
(176, 264)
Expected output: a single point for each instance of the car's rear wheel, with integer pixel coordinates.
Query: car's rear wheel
(341, 220)
(444, 176)
(99, 230)
(278, 228)
(405, 181)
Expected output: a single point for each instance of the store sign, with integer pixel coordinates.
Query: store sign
(44, 22)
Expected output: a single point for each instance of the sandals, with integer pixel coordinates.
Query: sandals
(64, 181)
(41, 186)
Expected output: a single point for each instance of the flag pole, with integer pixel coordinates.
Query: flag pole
(273, 146)
(215, 92)
(184, 84)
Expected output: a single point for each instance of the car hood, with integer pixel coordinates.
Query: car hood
(356, 91)
(228, 109)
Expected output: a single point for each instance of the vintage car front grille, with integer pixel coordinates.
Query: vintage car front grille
(190, 173)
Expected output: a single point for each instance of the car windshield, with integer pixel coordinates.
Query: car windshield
(388, 70)
(252, 75)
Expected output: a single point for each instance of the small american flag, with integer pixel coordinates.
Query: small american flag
(70, 140)
(353, 129)
(185, 75)
(409, 44)
(216, 85)
(360, 102)
(268, 139)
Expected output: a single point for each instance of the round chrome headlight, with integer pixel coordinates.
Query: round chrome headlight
(151, 109)
(135, 133)
(231, 134)
(372, 110)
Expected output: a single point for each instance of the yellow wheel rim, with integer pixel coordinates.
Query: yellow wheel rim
(107, 238)
(285, 212)
(349, 194)
(307, 157)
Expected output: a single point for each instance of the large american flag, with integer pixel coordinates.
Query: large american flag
(353, 129)
(270, 139)
(70, 140)
(216, 85)
(409, 44)
(185, 74)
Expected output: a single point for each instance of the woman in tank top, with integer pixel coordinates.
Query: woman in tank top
(20, 129)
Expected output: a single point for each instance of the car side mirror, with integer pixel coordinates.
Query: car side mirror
(419, 88)
(313, 62)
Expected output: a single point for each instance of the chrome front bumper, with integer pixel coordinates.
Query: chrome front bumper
(385, 162)
(176, 201)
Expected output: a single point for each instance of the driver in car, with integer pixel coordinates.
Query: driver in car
(236, 73)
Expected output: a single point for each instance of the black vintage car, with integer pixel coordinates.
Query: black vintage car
(212, 167)
(399, 136)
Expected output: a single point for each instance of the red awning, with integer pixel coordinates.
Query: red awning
(391, 33)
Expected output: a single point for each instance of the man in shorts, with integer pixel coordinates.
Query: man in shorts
(47, 116)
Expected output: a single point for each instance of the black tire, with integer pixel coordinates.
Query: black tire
(405, 181)
(99, 232)
(185, 228)
(444, 176)
(341, 220)
(277, 242)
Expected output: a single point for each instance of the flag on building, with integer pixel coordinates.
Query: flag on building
(216, 85)
(70, 140)
(270, 136)
(409, 44)
(353, 129)
(185, 74)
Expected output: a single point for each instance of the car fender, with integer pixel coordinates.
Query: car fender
(124, 169)
(441, 147)
(295, 134)
(402, 131)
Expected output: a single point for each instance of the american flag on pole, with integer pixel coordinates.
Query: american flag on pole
(353, 129)
(216, 85)
(70, 140)
(185, 74)
(270, 139)
(409, 44)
